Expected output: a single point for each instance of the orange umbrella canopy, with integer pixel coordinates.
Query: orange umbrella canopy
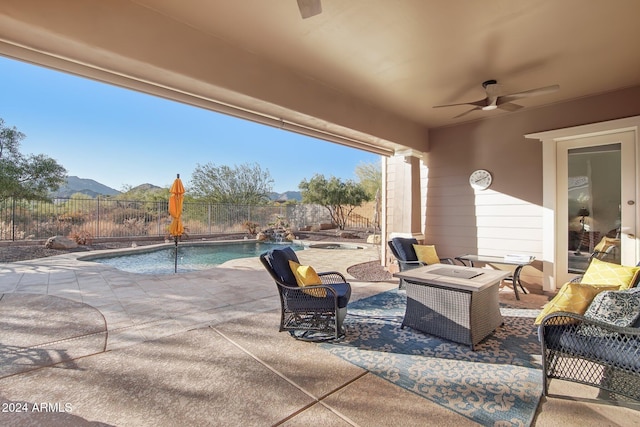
(175, 207)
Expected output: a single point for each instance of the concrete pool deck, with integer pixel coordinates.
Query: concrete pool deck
(203, 348)
(142, 307)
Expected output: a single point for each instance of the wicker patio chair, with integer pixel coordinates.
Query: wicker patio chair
(402, 249)
(590, 352)
(583, 350)
(311, 313)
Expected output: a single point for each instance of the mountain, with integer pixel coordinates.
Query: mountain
(93, 188)
(287, 195)
(145, 187)
(89, 187)
(141, 192)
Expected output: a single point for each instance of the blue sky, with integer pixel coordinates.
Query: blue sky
(119, 137)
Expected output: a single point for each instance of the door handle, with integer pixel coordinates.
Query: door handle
(631, 236)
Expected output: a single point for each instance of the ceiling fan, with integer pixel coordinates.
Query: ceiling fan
(495, 100)
(309, 8)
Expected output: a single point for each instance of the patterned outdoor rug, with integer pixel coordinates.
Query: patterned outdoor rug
(500, 383)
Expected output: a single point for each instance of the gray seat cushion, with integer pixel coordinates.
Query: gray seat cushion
(620, 351)
(279, 260)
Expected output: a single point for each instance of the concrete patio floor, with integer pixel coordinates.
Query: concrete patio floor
(203, 348)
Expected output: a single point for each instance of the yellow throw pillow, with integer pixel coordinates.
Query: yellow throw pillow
(573, 298)
(427, 254)
(606, 273)
(307, 276)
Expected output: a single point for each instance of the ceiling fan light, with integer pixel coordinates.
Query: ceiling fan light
(489, 107)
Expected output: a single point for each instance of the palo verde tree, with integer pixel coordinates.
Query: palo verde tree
(23, 176)
(370, 177)
(246, 184)
(340, 198)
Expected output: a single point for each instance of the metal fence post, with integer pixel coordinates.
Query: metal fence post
(13, 219)
(158, 221)
(98, 217)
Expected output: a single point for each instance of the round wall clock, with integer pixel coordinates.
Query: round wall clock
(480, 179)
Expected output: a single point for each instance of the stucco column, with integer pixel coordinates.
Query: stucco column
(404, 214)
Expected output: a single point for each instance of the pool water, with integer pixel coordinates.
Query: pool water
(190, 257)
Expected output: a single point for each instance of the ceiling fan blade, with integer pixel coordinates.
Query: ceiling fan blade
(533, 92)
(509, 106)
(467, 112)
(494, 100)
(480, 103)
(309, 8)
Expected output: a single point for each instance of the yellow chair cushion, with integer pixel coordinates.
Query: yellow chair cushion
(606, 273)
(573, 298)
(307, 276)
(427, 254)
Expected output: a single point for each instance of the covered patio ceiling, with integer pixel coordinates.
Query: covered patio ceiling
(363, 73)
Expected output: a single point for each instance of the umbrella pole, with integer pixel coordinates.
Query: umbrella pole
(175, 269)
(176, 190)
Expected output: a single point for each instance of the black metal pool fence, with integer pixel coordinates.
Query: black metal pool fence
(109, 218)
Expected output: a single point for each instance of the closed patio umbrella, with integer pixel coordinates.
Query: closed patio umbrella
(175, 210)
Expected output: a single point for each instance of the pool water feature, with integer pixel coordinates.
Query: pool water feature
(191, 257)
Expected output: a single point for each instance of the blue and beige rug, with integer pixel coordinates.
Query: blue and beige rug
(498, 384)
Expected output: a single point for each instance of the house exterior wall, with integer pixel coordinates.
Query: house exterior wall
(507, 217)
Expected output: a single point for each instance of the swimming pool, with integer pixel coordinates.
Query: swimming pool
(191, 257)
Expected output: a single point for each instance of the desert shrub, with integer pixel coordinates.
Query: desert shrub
(251, 227)
(7, 232)
(81, 237)
(135, 226)
(53, 227)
